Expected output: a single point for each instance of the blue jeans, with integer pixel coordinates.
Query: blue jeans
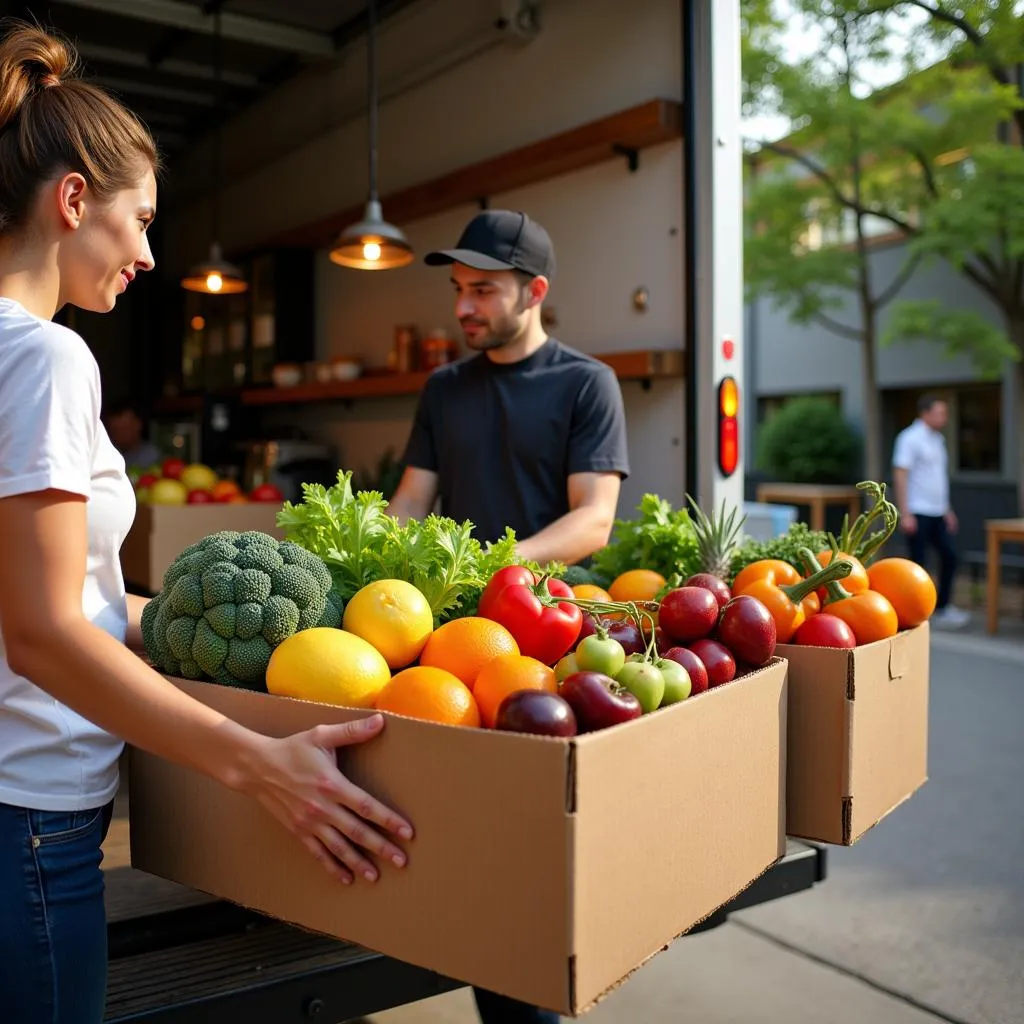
(53, 930)
(495, 1009)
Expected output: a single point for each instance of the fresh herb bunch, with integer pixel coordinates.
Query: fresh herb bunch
(659, 537)
(785, 547)
(360, 542)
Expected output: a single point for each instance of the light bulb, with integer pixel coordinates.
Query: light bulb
(214, 282)
(371, 252)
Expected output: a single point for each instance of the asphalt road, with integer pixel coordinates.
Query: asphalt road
(930, 904)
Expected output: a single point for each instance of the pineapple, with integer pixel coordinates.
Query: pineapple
(717, 538)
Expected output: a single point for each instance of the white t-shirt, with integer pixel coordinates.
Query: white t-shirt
(921, 451)
(51, 758)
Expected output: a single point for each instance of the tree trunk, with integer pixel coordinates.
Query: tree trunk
(1015, 327)
(873, 463)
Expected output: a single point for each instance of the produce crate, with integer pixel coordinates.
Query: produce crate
(161, 532)
(545, 869)
(857, 734)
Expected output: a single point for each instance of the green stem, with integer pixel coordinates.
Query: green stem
(638, 611)
(838, 569)
(857, 546)
(835, 590)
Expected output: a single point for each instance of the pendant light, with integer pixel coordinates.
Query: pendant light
(215, 276)
(372, 243)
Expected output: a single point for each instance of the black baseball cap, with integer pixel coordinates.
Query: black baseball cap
(501, 240)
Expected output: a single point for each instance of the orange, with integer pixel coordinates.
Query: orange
(224, 489)
(908, 587)
(393, 616)
(507, 674)
(588, 592)
(636, 585)
(463, 646)
(430, 694)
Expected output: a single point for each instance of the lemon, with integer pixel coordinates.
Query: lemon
(394, 617)
(329, 666)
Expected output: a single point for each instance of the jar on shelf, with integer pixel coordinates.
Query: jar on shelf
(438, 349)
(405, 355)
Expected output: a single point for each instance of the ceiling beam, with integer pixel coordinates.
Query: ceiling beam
(132, 87)
(185, 68)
(238, 27)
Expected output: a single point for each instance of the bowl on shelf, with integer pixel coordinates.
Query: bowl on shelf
(346, 368)
(286, 375)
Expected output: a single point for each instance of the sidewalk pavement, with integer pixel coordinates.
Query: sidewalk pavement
(726, 976)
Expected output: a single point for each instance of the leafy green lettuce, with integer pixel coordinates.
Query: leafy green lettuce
(658, 537)
(360, 542)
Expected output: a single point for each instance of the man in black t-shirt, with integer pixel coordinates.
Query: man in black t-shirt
(527, 433)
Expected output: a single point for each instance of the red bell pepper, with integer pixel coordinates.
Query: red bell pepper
(528, 607)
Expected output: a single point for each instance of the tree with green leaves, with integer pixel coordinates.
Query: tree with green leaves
(808, 225)
(935, 157)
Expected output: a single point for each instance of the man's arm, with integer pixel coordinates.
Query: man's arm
(586, 527)
(415, 495)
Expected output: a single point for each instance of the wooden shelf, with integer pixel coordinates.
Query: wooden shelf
(644, 365)
(625, 134)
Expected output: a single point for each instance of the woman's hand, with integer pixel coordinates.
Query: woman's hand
(297, 780)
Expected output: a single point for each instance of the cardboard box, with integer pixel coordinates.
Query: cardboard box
(544, 869)
(857, 734)
(161, 532)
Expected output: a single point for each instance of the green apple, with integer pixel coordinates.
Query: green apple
(644, 681)
(677, 681)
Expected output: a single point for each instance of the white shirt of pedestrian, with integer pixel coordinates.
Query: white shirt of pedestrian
(921, 451)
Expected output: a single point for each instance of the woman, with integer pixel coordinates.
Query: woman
(77, 193)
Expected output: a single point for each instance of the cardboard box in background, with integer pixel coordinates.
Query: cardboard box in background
(857, 734)
(161, 532)
(544, 869)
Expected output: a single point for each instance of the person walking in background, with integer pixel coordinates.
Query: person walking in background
(921, 476)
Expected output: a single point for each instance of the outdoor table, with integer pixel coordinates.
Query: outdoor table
(817, 496)
(998, 532)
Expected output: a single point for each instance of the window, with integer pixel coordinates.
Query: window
(974, 434)
(979, 428)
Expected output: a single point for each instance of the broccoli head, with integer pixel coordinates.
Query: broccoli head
(229, 600)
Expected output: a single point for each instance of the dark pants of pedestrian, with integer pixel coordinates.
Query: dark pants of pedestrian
(495, 1009)
(53, 929)
(932, 532)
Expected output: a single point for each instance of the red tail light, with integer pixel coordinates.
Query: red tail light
(728, 426)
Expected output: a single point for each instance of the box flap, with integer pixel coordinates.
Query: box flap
(819, 738)
(715, 790)
(492, 830)
(889, 753)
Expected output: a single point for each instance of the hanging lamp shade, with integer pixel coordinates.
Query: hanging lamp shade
(215, 276)
(372, 243)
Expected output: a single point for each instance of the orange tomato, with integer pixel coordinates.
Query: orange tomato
(868, 614)
(908, 588)
(856, 583)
